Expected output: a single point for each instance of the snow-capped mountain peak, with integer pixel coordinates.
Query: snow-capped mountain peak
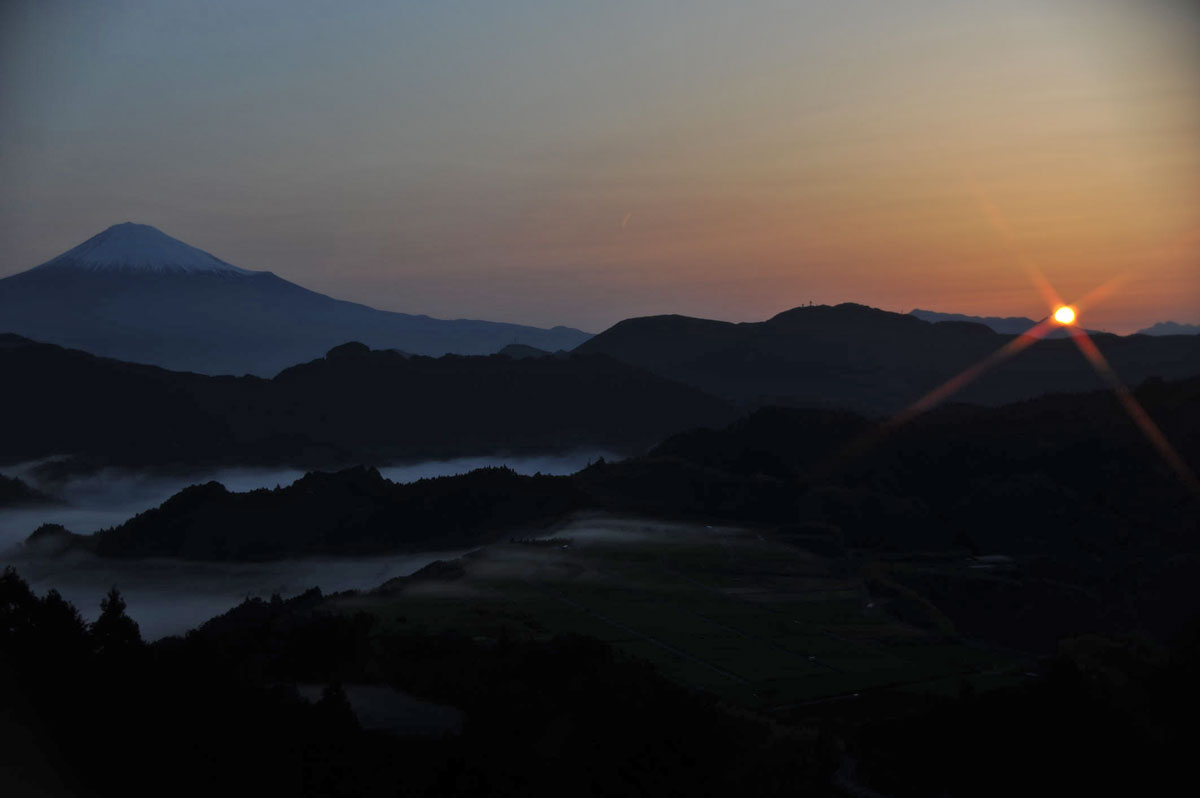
(139, 247)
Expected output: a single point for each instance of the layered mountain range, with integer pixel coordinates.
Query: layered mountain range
(354, 405)
(872, 360)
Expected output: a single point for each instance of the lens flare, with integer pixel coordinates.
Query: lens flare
(1064, 315)
(1135, 410)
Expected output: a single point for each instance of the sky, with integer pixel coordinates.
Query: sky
(554, 162)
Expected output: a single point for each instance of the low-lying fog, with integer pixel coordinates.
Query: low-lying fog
(168, 597)
(97, 501)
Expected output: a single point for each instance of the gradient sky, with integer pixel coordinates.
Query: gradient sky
(553, 162)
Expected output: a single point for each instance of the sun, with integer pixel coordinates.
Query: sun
(1065, 315)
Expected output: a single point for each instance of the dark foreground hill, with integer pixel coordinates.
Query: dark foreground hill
(135, 293)
(93, 710)
(352, 406)
(351, 512)
(872, 360)
(96, 711)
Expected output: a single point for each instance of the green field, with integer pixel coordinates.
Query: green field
(727, 610)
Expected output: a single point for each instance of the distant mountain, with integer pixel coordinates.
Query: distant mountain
(870, 360)
(354, 405)
(1005, 325)
(519, 351)
(1171, 328)
(136, 294)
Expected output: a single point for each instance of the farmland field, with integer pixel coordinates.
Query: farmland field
(733, 611)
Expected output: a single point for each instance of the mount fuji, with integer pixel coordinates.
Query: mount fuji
(135, 293)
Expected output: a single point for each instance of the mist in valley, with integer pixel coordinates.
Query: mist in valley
(169, 597)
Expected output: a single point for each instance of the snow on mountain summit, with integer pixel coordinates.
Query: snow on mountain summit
(139, 247)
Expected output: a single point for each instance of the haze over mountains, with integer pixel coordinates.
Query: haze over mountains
(134, 293)
(1171, 328)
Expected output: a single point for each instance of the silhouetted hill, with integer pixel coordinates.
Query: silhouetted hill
(871, 360)
(353, 406)
(137, 294)
(1071, 467)
(1103, 536)
(521, 350)
(355, 511)
(14, 493)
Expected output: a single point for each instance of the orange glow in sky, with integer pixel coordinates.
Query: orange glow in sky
(603, 161)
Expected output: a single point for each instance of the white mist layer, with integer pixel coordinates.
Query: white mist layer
(169, 597)
(108, 498)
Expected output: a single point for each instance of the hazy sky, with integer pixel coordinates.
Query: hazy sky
(557, 162)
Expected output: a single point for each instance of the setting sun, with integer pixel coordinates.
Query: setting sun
(1065, 315)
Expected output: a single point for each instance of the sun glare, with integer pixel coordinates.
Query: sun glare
(1065, 315)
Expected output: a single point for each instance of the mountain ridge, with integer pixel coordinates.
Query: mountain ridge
(870, 360)
(354, 405)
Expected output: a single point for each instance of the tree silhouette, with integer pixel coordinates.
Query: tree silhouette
(114, 632)
(17, 604)
(334, 708)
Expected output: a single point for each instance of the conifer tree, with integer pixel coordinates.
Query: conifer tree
(114, 632)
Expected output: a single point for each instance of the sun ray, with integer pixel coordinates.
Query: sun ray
(971, 373)
(999, 223)
(1061, 314)
(939, 394)
(1082, 340)
(1134, 408)
(1098, 293)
